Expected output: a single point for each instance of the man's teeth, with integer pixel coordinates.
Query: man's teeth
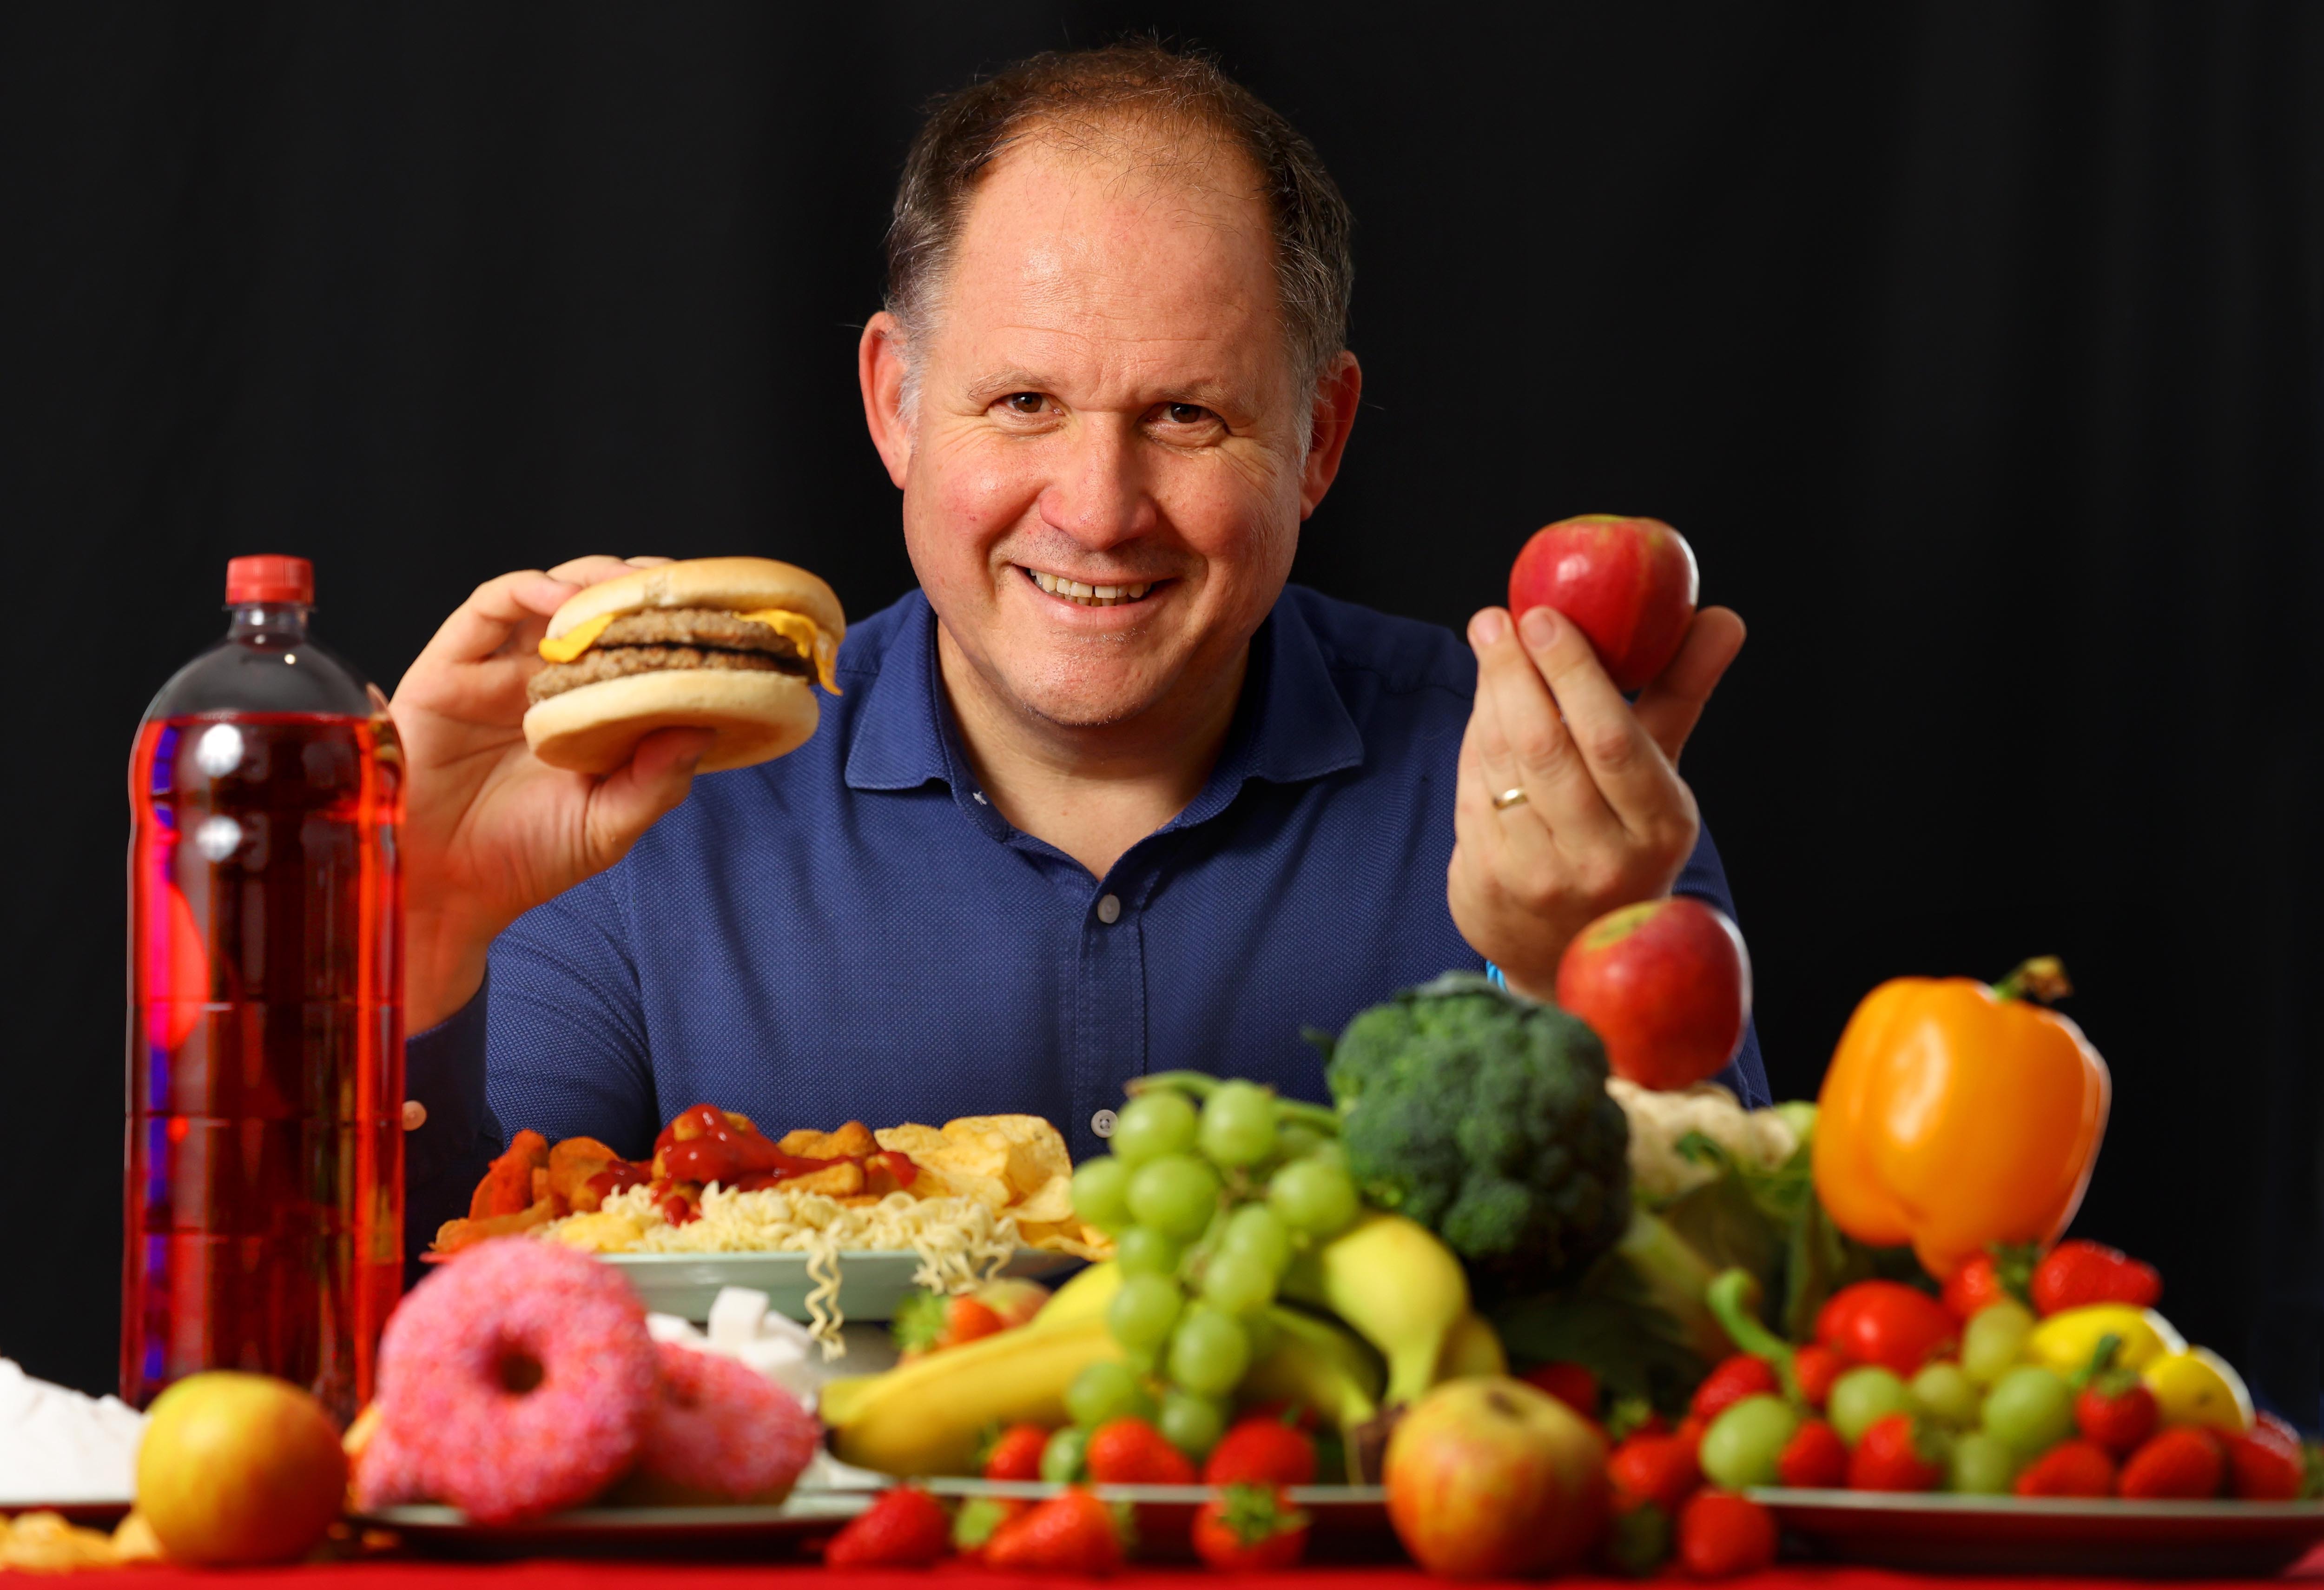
(1089, 595)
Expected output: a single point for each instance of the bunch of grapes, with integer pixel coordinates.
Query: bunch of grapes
(1211, 1191)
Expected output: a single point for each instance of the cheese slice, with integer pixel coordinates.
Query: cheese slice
(797, 628)
(805, 633)
(566, 647)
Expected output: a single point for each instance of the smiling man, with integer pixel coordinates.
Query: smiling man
(1106, 795)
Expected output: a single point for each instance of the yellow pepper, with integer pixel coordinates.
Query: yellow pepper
(2068, 1340)
(2196, 1386)
(1954, 1116)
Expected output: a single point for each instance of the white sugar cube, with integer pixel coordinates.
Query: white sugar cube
(669, 1328)
(735, 1315)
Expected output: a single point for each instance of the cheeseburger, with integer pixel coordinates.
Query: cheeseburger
(733, 645)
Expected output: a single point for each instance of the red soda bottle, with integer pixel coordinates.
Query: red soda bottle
(263, 1199)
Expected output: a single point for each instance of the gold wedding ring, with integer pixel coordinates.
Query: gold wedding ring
(1508, 798)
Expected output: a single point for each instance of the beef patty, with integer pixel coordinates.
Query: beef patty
(694, 626)
(602, 662)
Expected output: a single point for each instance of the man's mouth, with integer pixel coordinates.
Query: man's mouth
(1090, 596)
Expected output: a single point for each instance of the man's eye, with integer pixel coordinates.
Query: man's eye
(1185, 413)
(1024, 403)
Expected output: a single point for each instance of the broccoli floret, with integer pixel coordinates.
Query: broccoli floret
(1485, 1117)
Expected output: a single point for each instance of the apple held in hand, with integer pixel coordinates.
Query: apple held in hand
(1629, 584)
(239, 1467)
(1489, 1478)
(1666, 986)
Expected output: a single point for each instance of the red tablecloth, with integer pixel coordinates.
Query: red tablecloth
(409, 1574)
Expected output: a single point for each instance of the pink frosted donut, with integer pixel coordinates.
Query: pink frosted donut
(515, 1380)
(721, 1427)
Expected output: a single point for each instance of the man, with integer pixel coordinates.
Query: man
(1104, 796)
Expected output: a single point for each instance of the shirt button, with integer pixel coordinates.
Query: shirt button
(415, 1114)
(1109, 910)
(1102, 1121)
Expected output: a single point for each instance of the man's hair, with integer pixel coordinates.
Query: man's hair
(1080, 95)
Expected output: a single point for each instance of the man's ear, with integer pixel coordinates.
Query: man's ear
(880, 372)
(1337, 392)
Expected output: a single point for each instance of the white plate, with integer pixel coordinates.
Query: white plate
(624, 1530)
(870, 1283)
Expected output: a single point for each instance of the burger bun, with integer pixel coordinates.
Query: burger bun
(757, 717)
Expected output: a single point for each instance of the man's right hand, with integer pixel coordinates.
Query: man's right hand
(490, 831)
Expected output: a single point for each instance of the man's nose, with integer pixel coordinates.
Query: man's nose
(1099, 495)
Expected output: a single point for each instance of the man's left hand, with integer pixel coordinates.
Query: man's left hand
(1605, 820)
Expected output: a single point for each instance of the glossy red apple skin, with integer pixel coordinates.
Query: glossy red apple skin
(1666, 986)
(1489, 1478)
(1628, 584)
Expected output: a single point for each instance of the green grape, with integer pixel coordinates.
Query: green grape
(1144, 1310)
(1209, 1351)
(1151, 1125)
(2030, 1409)
(1993, 1339)
(1295, 1140)
(1106, 1391)
(1862, 1397)
(1066, 1457)
(1313, 1197)
(1143, 1250)
(1101, 1192)
(1177, 1195)
(1238, 1126)
(1238, 1282)
(1743, 1444)
(1192, 1424)
(1946, 1394)
(1981, 1466)
(1258, 1231)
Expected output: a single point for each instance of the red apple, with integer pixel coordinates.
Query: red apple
(1628, 584)
(1489, 1478)
(239, 1467)
(1667, 986)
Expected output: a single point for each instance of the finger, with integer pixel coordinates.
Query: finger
(636, 796)
(596, 568)
(1669, 707)
(1628, 769)
(494, 611)
(1522, 735)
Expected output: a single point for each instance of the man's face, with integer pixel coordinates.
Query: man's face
(1106, 398)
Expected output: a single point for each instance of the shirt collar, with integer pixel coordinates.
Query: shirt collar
(1291, 726)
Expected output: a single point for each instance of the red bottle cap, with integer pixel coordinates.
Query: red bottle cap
(269, 577)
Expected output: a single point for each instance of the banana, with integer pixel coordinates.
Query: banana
(924, 1418)
(1397, 1286)
(1471, 1348)
(1085, 1296)
(1314, 1363)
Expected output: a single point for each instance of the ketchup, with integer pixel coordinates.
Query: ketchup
(704, 1145)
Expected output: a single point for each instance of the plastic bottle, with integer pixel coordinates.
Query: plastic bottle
(264, 1198)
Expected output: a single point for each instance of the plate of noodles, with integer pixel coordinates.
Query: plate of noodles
(830, 1225)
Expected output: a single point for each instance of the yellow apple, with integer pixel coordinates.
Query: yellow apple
(1489, 1477)
(239, 1467)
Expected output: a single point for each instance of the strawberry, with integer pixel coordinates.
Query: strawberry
(2069, 1468)
(1891, 1456)
(905, 1528)
(1131, 1452)
(1573, 1384)
(1736, 1378)
(2183, 1464)
(2078, 1272)
(1251, 1529)
(925, 1322)
(980, 1517)
(1016, 1453)
(1073, 1532)
(2000, 1272)
(2267, 1465)
(1721, 1534)
(1261, 1452)
(1813, 1369)
(1690, 1430)
(1634, 1416)
(1660, 1469)
(2114, 1408)
(1814, 1458)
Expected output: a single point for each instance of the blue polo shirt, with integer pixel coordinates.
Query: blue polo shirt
(853, 932)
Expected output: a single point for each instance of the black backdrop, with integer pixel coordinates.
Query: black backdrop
(1974, 345)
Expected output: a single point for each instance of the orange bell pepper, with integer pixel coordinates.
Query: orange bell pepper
(1955, 1115)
